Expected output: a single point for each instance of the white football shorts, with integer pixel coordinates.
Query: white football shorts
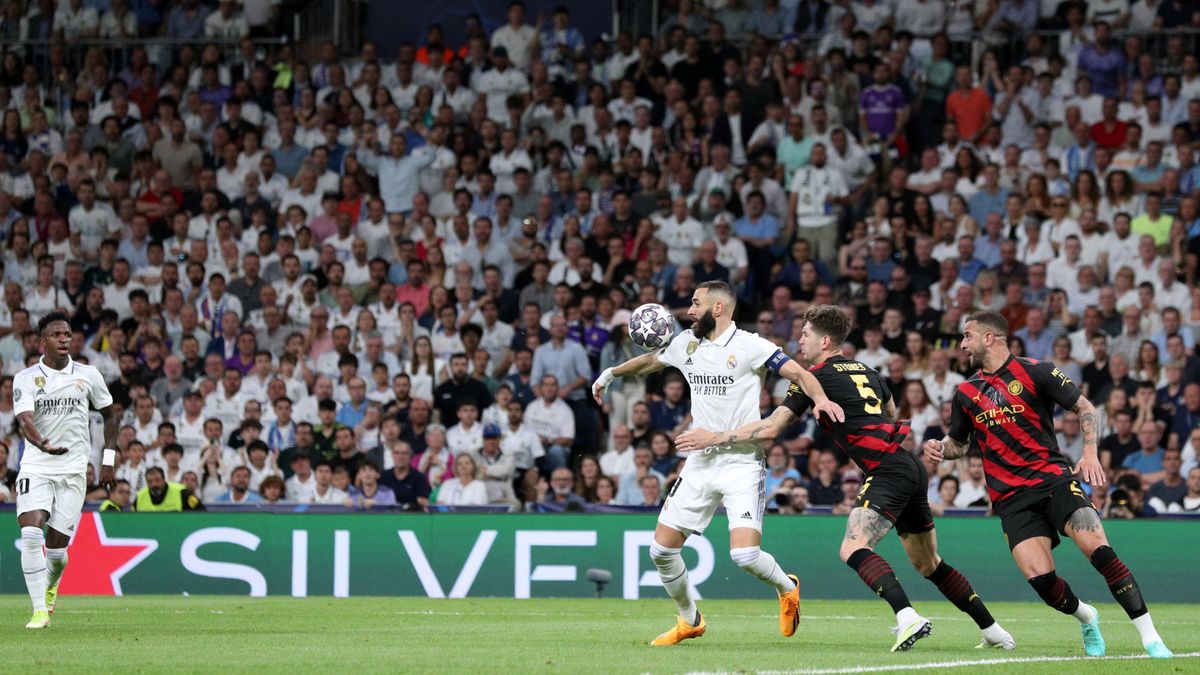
(60, 496)
(735, 480)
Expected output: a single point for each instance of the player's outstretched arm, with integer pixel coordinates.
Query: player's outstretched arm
(812, 388)
(34, 437)
(1089, 467)
(639, 365)
(763, 430)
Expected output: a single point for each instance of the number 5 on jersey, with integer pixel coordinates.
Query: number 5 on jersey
(872, 405)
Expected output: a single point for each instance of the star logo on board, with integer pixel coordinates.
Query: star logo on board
(99, 561)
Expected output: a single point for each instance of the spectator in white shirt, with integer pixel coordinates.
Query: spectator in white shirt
(554, 423)
(515, 37)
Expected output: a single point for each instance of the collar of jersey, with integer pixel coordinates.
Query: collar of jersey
(1003, 366)
(724, 338)
(46, 370)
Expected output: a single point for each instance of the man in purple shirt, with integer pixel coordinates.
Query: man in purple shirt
(1104, 63)
(211, 90)
(882, 112)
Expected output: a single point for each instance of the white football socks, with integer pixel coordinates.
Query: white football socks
(674, 577)
(1085, 613)
(56, 563)
(760, 564)
(33, 565)
(1145, 626)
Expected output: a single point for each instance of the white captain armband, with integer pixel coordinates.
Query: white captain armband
(777, 360)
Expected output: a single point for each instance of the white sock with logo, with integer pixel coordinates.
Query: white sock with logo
(33, 565)
(56, 563)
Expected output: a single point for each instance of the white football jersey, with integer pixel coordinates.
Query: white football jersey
(725, 376)
(59, 401)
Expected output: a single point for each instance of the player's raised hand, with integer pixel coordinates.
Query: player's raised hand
(932, 450)
(601, 384)
(830, 409)
(695, 439)
(108, 477)
(1091, 472)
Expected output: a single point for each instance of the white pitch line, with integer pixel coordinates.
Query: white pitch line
(965, 663)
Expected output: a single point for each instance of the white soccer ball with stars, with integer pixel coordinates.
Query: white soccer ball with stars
(651, 326)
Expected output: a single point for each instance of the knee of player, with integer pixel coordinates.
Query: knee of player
(660, 554)
(32, 538)
(926, 565)
(1092, 542)
(744, 557)
(849, 547)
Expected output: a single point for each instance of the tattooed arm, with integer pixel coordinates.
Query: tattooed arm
(1089, 468)
(762, 430)
(947, 448)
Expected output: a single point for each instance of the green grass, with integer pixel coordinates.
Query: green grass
(159, 633)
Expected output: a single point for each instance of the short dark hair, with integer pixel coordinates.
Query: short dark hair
(829, 321)
(993, 320)
(44, 322)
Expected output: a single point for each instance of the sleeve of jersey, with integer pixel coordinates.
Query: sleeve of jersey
(796, 400)
(674, 354)
(1055, 384)
(99, 394)
(960, 422)
(766, 354)
(22, 395)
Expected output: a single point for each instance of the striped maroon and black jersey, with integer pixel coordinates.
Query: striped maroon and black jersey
(1011, 412)
(867, 436)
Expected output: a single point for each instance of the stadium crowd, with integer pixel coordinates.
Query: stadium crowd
(391, 278)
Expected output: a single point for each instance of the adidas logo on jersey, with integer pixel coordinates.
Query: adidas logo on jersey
(747, 516)
(688, 362)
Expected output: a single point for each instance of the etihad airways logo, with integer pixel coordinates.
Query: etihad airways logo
(999, 414)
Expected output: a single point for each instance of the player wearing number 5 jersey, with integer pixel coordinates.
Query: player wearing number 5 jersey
(51, 400)
(724, 367)
(896, 484)
(1008, 407)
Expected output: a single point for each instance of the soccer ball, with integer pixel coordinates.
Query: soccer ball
(651, 326)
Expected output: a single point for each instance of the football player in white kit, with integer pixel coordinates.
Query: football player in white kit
(724, 367)
(51, 400)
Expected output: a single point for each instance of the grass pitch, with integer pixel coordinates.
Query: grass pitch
(194, 634)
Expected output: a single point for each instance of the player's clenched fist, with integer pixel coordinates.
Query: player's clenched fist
(932, 450)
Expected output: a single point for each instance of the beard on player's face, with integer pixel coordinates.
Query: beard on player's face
(706, 324)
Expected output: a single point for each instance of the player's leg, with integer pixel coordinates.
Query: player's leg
(743, 490)
(745, 548)
(886, 491)
(68, 505)
(686, 510)
(923, 553)
(1085, 529)
(864, 530)
(917, 533)
(34, 502)
(1035, 561)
